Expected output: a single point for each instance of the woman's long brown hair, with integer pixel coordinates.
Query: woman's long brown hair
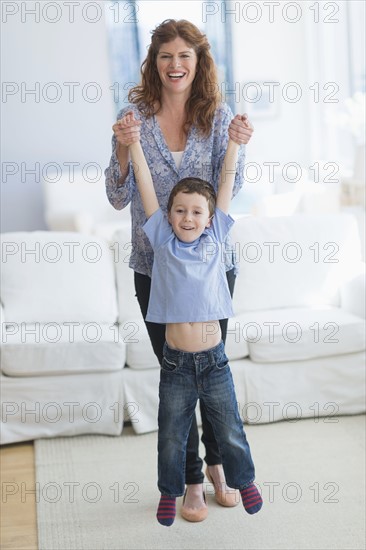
(205, 95)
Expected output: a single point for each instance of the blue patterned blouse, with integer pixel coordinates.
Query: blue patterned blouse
(202, 158)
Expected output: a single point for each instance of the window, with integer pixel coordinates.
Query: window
(336, 58)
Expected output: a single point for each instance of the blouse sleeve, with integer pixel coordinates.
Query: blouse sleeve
(119, 195)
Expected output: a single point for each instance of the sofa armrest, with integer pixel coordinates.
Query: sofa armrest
(79, 221)
(84, 222)
(353, 293)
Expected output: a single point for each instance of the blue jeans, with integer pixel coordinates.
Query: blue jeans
(185, 378)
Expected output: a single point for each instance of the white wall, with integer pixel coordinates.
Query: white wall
(277, 51)
(274, 52)
(43, 131)
(269, 48)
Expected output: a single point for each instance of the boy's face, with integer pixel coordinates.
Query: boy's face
(189, 216)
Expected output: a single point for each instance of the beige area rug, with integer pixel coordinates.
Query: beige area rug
(99, 492)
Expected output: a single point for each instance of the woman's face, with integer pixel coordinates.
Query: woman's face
(176, 64)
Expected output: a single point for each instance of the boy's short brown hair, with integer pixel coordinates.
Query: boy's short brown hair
(194, 185)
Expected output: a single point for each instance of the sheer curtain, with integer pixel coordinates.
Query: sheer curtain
(336, 56)
(124, 47)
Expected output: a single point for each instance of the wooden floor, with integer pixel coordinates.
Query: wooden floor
(18, 520)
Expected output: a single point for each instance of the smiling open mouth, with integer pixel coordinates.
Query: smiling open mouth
(176, 76)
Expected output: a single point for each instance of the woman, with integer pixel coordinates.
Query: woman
(183, 128)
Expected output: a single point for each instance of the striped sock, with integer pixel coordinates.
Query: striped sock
(252, 500)
(166, 510)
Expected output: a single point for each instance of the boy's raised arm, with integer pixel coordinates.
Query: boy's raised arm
(142, 173)
(227, 176)
(143, 179)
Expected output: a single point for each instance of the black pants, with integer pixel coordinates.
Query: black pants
(157, 336)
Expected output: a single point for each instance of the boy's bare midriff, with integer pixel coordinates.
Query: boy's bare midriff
(193, 337)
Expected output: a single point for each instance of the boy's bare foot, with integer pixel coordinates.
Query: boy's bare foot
(224, 494)
(194, 503)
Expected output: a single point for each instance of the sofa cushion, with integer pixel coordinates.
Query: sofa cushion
(140, 354)
(57, 277)
(296, 261)
(328, 387)
(235, 346)
(300, 333)
(53, 349)
(128, 305)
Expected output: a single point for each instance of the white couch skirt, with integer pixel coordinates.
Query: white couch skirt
(317, 388)
(35, 407)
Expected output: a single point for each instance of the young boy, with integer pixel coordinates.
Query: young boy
(189, 293)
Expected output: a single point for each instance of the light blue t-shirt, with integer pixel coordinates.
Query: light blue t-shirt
(203, 158)
(188, 279)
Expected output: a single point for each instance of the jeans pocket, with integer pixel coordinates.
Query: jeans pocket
(168, 365)
(222, 362)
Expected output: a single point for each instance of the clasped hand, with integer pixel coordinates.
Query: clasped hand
(127, 129)
(240, 129)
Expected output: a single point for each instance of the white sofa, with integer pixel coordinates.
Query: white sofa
(74, 204)
(76, 358)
